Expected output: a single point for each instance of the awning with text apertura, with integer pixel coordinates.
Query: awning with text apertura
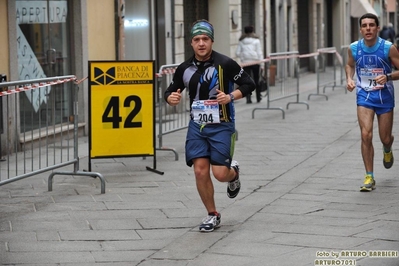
(361, 7)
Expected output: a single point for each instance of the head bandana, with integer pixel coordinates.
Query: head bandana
(202, 27)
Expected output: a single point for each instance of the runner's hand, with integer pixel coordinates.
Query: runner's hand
(350, 85)
(174, 98)
(222, 97)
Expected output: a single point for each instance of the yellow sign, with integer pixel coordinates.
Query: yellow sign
(121, 113)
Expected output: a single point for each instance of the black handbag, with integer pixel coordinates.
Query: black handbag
(262, 83)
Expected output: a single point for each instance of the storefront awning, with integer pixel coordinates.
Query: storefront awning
(361, 7)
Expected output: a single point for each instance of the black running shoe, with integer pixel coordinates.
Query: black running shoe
(233, 187)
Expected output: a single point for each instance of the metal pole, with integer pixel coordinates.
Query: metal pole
(3, 78)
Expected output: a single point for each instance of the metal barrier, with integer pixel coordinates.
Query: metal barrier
(46, 138)
(324, 77)
(170, 118)
(283, 81)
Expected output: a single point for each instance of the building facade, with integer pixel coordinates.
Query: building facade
(45, 38)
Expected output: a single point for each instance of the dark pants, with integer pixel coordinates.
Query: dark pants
(253, 71)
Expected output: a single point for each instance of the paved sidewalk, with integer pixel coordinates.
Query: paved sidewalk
(299, 203)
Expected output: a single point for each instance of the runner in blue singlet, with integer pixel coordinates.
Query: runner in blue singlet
(372, 59)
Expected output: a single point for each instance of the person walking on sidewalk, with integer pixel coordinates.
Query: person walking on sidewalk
(210, 78)
(388, 33)
(249, 50)
(371, 58)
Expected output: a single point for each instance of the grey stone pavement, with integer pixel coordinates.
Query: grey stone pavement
(299, 203)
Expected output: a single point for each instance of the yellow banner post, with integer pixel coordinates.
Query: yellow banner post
(122, 109)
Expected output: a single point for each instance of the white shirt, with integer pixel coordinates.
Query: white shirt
(249, 49)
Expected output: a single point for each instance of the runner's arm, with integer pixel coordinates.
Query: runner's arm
(394, 56)
(350, 71)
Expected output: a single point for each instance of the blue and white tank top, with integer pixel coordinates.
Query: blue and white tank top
(371, 62)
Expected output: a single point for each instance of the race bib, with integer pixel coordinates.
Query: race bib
(205, 112)
(367, 77)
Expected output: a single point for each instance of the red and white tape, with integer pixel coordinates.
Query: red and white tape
(35, 86)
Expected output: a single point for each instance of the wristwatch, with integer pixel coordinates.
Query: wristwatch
(231, 97)
(389, 76)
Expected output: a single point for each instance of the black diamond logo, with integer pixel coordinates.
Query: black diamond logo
(104, 78)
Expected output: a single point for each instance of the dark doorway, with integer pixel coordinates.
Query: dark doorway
(193, 10)
(303, 29)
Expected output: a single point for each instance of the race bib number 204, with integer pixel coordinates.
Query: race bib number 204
(205, 112)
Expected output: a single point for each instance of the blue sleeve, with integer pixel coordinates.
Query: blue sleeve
(353, 47)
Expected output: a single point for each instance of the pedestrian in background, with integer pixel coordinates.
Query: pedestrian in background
(388, 33)
(249, 50)
(210, 78)
(392, 32)
(372, 57)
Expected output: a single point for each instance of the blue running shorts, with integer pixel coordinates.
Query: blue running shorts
(213, 141)
(381, 101)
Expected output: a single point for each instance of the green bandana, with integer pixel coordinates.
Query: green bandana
(202, 27)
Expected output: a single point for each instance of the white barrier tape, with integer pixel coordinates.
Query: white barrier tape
(255, 62)
(339, 57)
(81, 80)
(327, 50)
(168, 71)
(308, 55)
(283, 57)
(34, 86)
(332, 51)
